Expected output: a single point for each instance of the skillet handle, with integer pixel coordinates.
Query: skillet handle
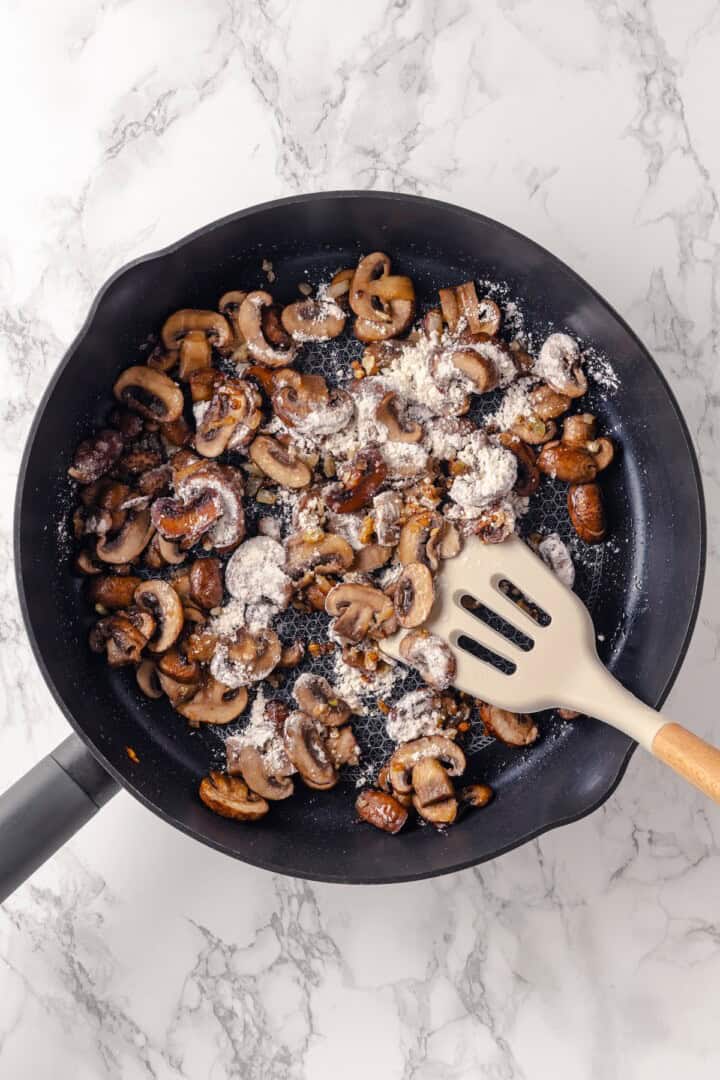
(44, 808)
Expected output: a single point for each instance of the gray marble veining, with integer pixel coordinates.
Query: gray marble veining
(593, 952)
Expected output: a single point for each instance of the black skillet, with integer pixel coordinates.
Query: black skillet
(643, 586)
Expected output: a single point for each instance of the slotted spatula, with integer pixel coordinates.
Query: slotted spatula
(561, 668)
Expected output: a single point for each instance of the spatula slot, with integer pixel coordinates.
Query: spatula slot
(496, 622)
(500, 663)
(524, 602)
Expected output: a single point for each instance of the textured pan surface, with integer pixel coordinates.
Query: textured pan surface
(643, 587)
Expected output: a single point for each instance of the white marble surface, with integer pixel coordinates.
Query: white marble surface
(591, 125)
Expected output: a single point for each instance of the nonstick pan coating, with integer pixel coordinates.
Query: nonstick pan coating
(643, 586)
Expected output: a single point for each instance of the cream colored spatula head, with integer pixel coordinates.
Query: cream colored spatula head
(545, 666)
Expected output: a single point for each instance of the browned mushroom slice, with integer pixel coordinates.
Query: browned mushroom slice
(571, 464)
(547, 403)
(250, 325)
(438, 814)
(155, 481)
(585, 507)
(414, 595)
(357, 609)
(388, 413)
(112, 592)
(480, 370)
(86, 564)
(430, 783)
(528, 474)
(381, 810)
(370, 330)
(475, 795)
(230, 797)
(178, 666)
(248, 659)
(192, 334)
(305, 746)
(560, 365)
(225, 483)
(120, 638)
(531, 429)
(130, 542)
(374, 290)
(280, 463)
(410, 754)
(430, 656)
(160, 599)
(365, 477)
(161, 552)
(229, 305)
(339, 287)
(150, 393)
(96, 456)
(147, 680)
(343, 747)
(514, 729)
(178, 693)
(372, 557)
(419, 539)
(328, 555)
(296, 397)
(186, 522)
(230, 419)
(214, 703)
(251, 765)
(580, 433)
(316, 697)
(206, 583)
(313, 320)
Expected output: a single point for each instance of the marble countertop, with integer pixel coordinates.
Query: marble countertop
(592, 127)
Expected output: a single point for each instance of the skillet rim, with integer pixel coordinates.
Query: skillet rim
(171, 249)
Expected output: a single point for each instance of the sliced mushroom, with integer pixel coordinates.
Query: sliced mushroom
(388, 413)
(414, 595)
(305, 746)
(130, 542)
(339, 287)
(438, 814)
(493, 525)
(478, 368)
(230, 419)
(112, 592)
(176, 665)
(514, 729)
(547, 403)
(313, 320)
(528, 474)
(147, 680)
(250, 325)
(295, 397)
(365, 477)
(381, 810)
(120, 638)
(150, 393)
(253, 769)
(410, 754)
(257, 572)
(96, 456)
(580, 433)
(573, 465)
(585, 507)
(206, 583)
(214, 703)
(420, 538)
(343, 747)
(185, 522)
(372, 557)
(225, 483)
(369, 330)
(248, 659)
(374, 290)
(279, 462)
(430, 783)
(192, 334)
(229, 305)
(330, 554)
(291, 655)
(85, 564)
(162, 552)
(560, 365)
(358, 609)
(316, 697)
(160, 599)
(475, 795)
(178, 693)
(430, 656)
(230, 797)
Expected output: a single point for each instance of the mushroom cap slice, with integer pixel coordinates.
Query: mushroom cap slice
(279, 462)
(342, 746)
(369, 330)
(373, 289)
(439, 813)
(130, 542)
(250, 325)
(389, 415)
(249, 658)
(408, 755)
(314, 320)
(380, 809)
(175, 663)
(372, 557)
(160, 599)
(251, 765)
(475, 795)
(225, 484)
(366, 476)
(150, 393)
(112, 591)
(355, 608)
(431, 783)
(414, 595)
(479, 369)
(211, 325)
(316, 697)
(415, 539)
(214, 703)
(305, 746)
(574, 465)
(514, 729)
(547, 403)
(585, 507)
(295, 397)
(96, 456)
(328, 555)
(560, 365)
(230, 797)
(185, 522)
(147, 680)
(430, 656)
(230, 418)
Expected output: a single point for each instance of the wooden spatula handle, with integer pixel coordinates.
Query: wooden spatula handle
(690, 756)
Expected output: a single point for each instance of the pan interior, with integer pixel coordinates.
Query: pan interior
(640, 585)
